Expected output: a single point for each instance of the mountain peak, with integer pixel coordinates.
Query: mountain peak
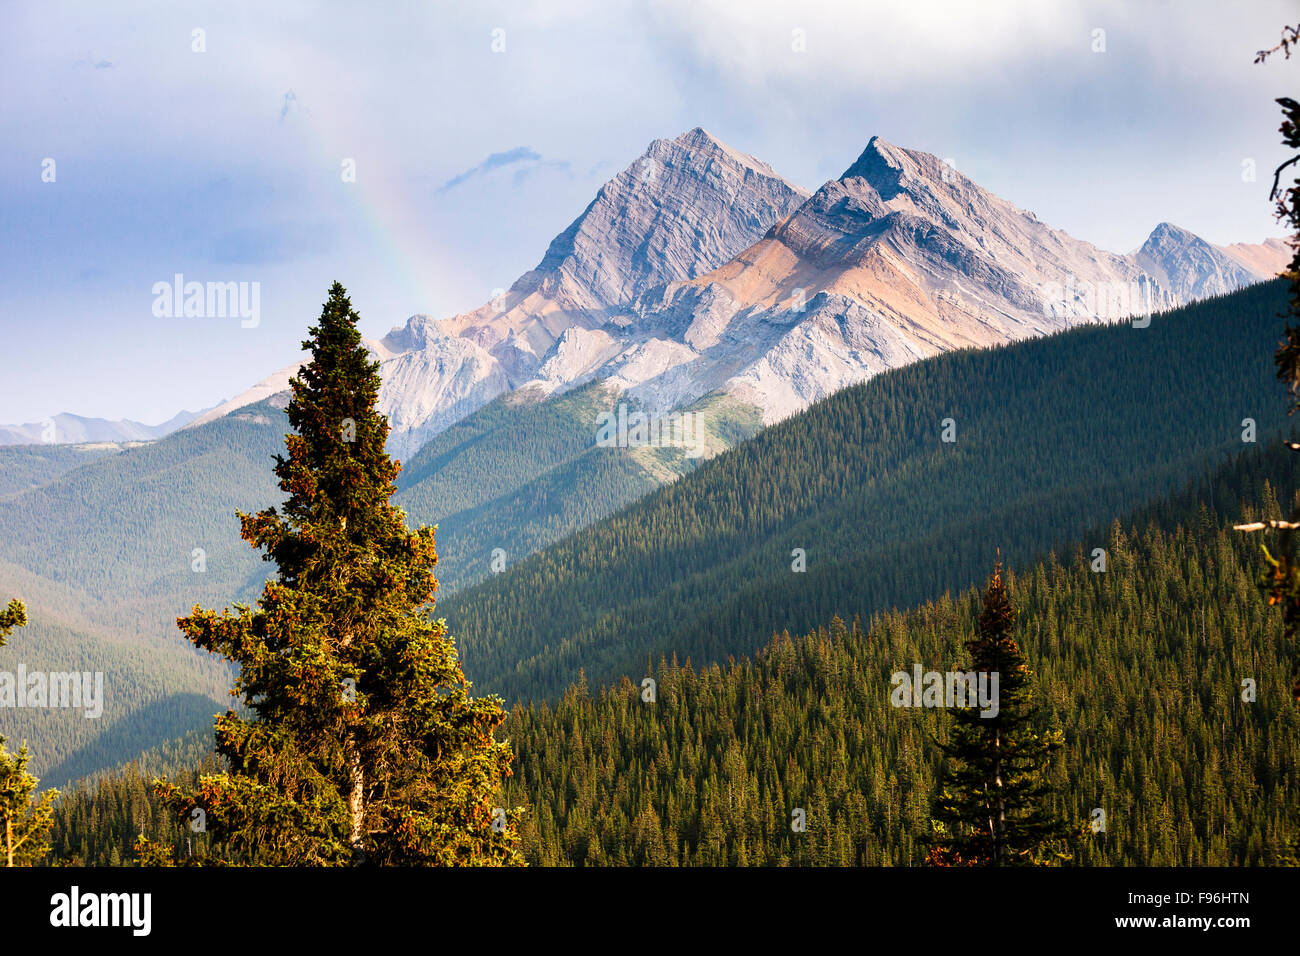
(419, 330)
(1167, 240)
(1167, 235)
(888, 168)
(1183, 261)
(699, 136)
(684, 207)
(698, 148)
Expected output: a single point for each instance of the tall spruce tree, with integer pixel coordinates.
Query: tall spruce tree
(26, 823)
(359, 741)
(1280, 581)
(993, 808)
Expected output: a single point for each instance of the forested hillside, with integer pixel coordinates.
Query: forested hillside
(109, 544)
(520, 474)
(1053, 437)
(1141, 667)
(98, 821)
(107, 555)
(28, 466)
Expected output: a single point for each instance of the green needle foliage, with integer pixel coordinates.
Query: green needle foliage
(995, 807)
(1141, 667)
(15, 615)
(359, 742)
(26, 824)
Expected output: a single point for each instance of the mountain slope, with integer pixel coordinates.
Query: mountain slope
(1193, 268)
(1267, 258)
(698, 270)
(68, 429)
(106, 556)
(519, 474)
(708, 774)
(1138, 666)
(686, 206)
(29, 466)
(1052, 436)
(101, 542)
(844, 488)
(900, 258)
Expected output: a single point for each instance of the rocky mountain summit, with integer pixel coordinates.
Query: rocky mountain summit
(698, 270)
(685, 207)
(682, 209)
(897, 259)
(1193, 268)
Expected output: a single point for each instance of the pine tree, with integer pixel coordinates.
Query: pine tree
(993, 808)
(358, 740)
(26, 824)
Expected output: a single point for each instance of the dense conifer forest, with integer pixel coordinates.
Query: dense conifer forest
(1053, 436)
(1141, 667)
(105, 592)
(1157, 734)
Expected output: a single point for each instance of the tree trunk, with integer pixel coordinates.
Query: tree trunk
(999, 849)
(357, 803)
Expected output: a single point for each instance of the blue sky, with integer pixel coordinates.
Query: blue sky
(480, 130)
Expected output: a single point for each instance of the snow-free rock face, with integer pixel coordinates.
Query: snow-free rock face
(428, 389)
(1189, 266)
(898, 259)
(1188, 263)
(685, 207)
(1264, 259)
(698, 270)
(682, 209)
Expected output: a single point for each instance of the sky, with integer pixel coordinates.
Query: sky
(424, 154)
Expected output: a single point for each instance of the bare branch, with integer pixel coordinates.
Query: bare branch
(1290, 37)
(1275, 192)
(1264, 525)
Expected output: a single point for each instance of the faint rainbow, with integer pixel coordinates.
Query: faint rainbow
(380, 201)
